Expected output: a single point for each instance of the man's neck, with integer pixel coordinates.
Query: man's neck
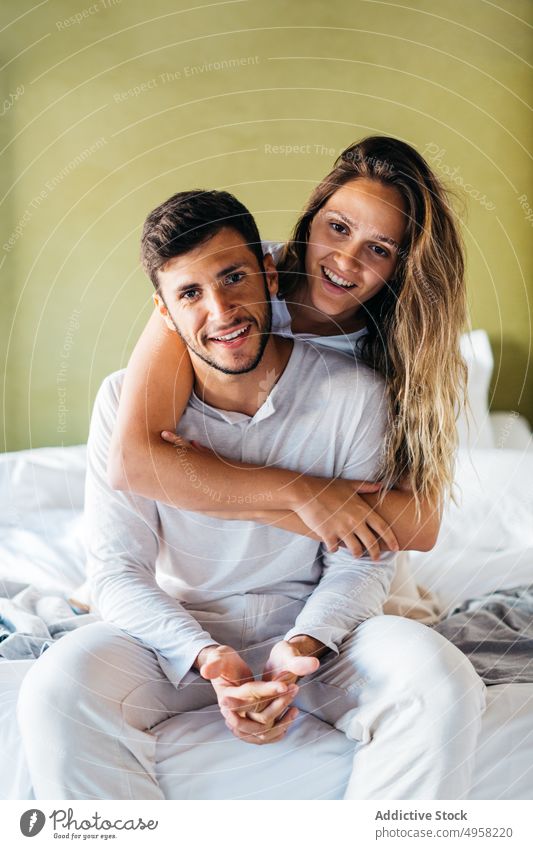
(243, 393)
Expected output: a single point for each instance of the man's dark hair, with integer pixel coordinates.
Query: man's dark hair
(188, 219)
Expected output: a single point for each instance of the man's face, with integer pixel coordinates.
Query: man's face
(218, 300)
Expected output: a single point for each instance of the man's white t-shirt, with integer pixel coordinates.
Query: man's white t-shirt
(157, 570)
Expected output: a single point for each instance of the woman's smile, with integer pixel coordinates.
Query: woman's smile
(336, 281)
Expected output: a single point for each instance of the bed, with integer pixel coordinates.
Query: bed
(485, 543)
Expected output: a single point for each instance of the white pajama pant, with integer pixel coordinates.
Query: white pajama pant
(411, 698)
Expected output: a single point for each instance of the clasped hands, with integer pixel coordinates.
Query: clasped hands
(259, 712)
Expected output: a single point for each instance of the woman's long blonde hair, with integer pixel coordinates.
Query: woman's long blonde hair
(415, 321)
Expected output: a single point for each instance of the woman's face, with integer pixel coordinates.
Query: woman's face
(353, 246)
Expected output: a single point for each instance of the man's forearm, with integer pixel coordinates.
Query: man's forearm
(349, 591)
(134, 602)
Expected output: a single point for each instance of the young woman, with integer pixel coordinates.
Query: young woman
(374, 268)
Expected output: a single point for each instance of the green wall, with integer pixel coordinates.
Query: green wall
(113, 111)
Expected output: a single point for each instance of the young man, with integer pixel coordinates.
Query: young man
(194, 607)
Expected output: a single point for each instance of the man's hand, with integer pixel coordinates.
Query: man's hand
(238, 695)
(288, 661)
(217, 661)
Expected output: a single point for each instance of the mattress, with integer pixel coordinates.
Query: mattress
(486, 542)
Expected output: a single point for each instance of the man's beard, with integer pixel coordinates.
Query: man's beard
(263, 333)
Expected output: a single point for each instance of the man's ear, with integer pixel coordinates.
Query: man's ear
(159, 305)
(271, 274)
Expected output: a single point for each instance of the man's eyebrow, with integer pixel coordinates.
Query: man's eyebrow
(231, 268)
(379, 237)
(190, 284)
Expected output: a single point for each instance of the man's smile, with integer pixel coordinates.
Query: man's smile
(234, 338)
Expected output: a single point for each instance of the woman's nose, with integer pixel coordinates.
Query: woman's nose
(349, 259)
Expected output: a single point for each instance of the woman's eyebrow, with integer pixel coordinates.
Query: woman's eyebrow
(379, 237)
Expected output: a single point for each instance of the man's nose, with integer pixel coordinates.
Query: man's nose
(220, 302)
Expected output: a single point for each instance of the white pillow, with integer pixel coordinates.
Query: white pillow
(494, 491)
(474, 425)
(486, 539)
(44, 548)
(40, 479)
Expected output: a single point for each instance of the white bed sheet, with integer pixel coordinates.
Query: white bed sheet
(481, 547)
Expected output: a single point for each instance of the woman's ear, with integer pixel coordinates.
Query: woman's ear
(159, 305)
(271, 274)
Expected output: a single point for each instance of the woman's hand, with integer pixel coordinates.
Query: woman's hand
(335, 511)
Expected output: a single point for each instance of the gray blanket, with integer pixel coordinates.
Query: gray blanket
(495, 631)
